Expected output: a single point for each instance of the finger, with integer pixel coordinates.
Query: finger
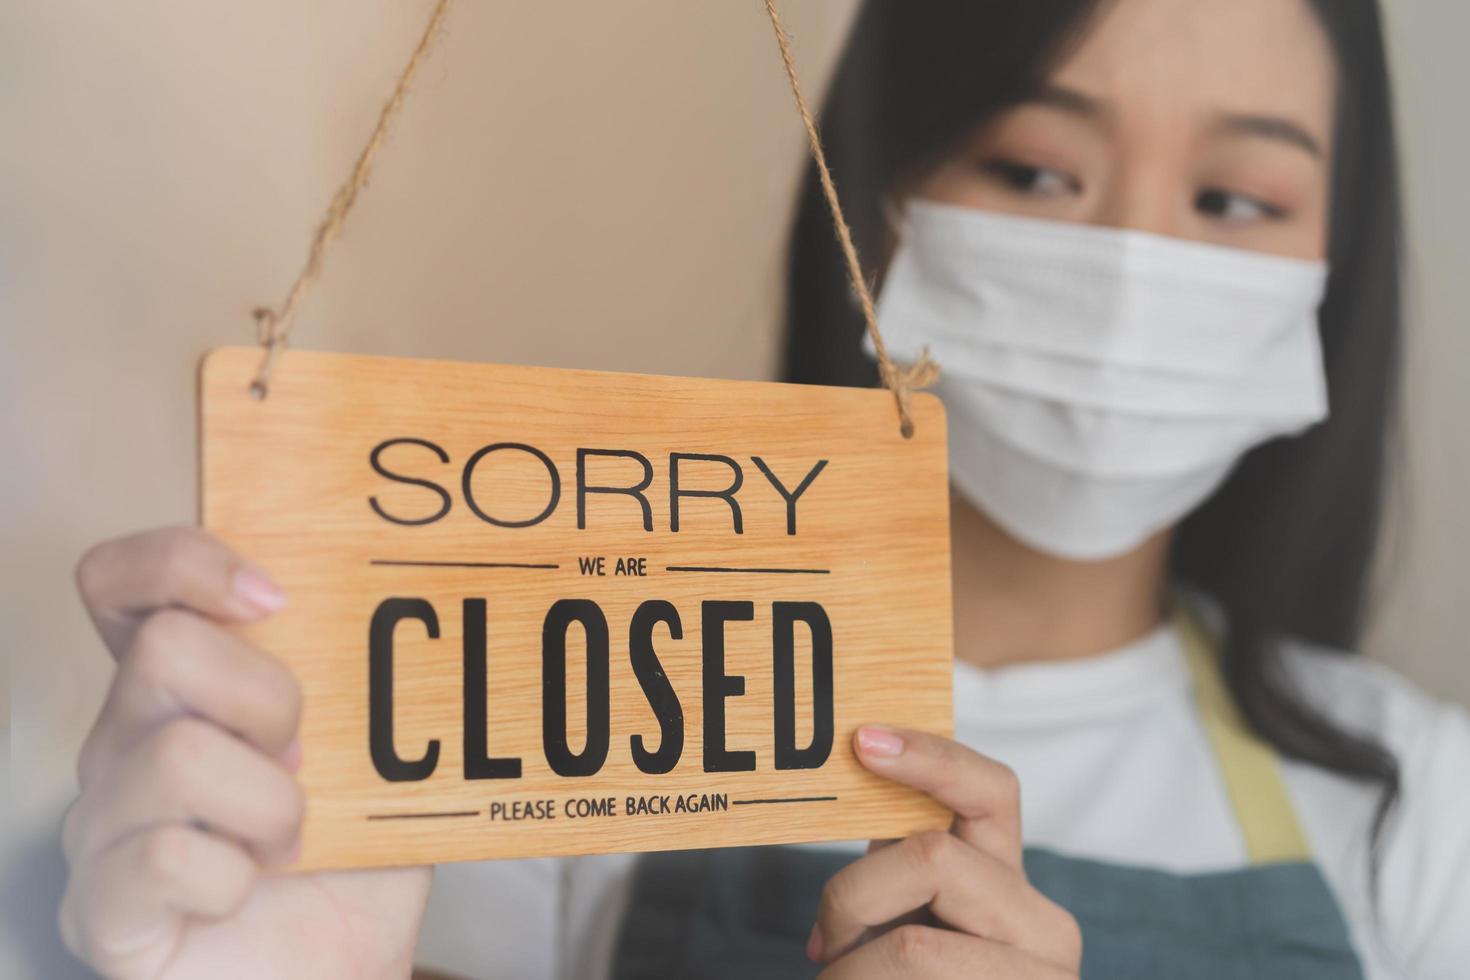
(984, 795)
(124, 913)
(180, 663)
(962, 887)
(123, 580)
(916, 952)
(189, 772)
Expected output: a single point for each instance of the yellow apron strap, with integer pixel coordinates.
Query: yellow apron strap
(1250, 767)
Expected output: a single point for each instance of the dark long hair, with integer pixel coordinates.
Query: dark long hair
(1286, 546)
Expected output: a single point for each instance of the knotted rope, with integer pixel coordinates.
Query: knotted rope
(902, 381)
(274, 325)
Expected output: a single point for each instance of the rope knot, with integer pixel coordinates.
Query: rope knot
(905, 379)
(265, 325)
(272, 339)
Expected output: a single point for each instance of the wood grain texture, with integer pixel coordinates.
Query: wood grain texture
(288, 481)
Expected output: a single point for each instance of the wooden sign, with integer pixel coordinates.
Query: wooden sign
(540, 612)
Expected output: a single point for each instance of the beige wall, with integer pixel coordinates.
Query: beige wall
(1421, 628)
(580, 183)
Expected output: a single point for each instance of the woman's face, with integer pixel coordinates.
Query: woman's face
(1209, 120)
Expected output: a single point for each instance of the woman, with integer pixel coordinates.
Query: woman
(1113, 225)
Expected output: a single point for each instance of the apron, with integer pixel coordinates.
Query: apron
(746, 912)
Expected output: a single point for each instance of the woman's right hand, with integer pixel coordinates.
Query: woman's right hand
(188, 794)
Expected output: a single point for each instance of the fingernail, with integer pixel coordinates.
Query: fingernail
(814, 944)
(258, 591)
(880, 743)
(292, 756)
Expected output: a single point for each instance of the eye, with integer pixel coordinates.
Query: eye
(1025, 178)
(1234, 208)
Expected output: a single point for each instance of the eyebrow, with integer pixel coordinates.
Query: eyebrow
(1068, 100)
(1272, 128)
(1261, 126)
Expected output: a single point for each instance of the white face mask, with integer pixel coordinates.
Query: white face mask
(1100, 383)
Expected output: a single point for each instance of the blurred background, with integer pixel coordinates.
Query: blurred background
(581, 184)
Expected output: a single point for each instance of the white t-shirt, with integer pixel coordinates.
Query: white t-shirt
(1115, 766)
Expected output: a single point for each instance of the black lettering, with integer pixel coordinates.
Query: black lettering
(380, 690)
(559, 755)
(656, 687)
(790, 496)
(727, 495)
(477, 761)
(718, 685)
(444, 499)
(635, 491)
(469, 496)
(785, 617)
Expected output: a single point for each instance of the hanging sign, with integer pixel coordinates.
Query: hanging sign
(545, 612)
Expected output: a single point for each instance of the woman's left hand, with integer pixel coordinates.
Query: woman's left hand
(943, 904)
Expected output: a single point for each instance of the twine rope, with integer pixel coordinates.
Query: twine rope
(274, 325)
(902, 381)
